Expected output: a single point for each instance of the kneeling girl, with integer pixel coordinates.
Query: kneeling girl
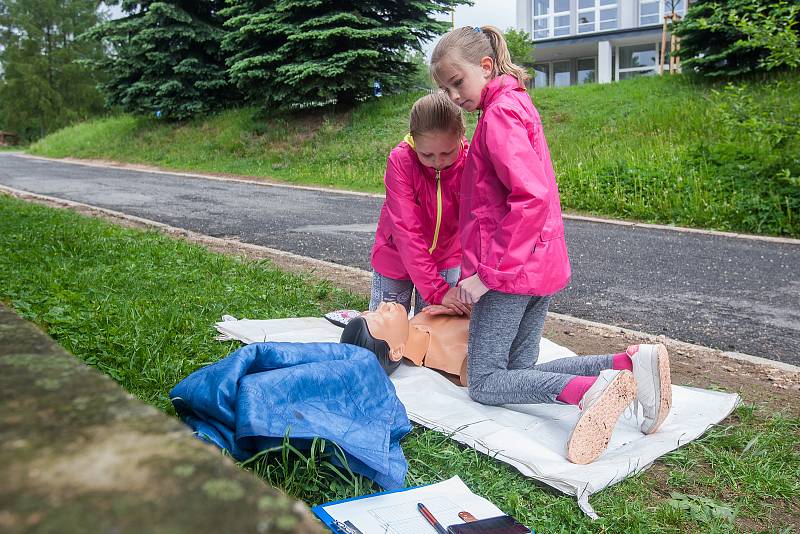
(417, 241)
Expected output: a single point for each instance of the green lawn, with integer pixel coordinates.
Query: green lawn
(655, 149)
(139, 306)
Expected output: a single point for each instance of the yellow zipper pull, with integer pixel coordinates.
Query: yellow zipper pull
(438, 210)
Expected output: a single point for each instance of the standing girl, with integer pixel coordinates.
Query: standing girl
(417, 242)
(514, 257)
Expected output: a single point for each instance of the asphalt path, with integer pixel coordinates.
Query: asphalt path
(723, 292)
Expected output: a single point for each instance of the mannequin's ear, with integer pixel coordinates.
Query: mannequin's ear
(396, 354)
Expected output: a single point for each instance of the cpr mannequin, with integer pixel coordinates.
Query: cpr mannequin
(602, 387)
(435, 341)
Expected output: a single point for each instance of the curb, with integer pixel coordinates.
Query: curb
(267, 182)
(359, 280)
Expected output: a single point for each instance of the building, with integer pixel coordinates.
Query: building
(584, 41)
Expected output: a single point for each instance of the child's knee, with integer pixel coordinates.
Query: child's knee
(479, 394)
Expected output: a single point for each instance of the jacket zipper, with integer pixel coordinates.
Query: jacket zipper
(438, 210)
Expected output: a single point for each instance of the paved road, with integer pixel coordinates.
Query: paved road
(721, 292)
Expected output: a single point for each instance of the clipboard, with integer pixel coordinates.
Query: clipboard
(325, 517)
(397, 511)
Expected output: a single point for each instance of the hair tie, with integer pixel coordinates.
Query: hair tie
(477, 29)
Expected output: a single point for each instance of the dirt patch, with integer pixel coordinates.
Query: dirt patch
(773, 389)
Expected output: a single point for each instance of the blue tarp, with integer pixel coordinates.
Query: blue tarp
(248, 401)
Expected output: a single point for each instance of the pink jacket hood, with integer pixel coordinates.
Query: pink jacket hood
(512, 233)
(408, 220)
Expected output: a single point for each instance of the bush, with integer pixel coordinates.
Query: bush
(735, 37)
(757, 150)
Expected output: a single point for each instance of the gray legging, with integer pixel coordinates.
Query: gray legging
(385, 289)
(504, 334)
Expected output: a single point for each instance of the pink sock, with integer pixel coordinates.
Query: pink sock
(622, 362)
(575, 389)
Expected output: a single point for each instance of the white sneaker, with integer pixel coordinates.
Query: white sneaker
(601, 406)
(653, 384)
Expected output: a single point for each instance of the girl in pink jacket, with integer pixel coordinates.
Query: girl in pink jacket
(417, 243)
(514, 257)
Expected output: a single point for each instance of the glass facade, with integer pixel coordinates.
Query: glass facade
(638, 56)
(562, 74)
(653, 11)
(551, 18)
(541, 75)
(586, 70)
(607, 57)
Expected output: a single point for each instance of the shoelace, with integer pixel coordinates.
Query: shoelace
(632, 411)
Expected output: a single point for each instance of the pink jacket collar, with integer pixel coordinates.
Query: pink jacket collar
(497, 86)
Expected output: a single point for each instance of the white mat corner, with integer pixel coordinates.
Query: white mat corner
(530, 437)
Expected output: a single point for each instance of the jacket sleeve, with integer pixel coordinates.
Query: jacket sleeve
(520, 169)
(405, 216)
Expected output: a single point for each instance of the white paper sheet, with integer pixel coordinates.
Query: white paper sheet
(397, 513)
(530, 437)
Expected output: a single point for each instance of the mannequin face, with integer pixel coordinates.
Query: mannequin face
(390, 324)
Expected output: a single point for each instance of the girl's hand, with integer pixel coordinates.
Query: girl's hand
(452, 302)
(438, 309)
(472, 289)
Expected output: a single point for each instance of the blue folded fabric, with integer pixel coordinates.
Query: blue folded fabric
(248, 401)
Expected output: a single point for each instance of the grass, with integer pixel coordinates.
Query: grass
(139, 307)
(655, 149)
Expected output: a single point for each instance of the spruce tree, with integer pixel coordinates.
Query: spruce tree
(165, 58)
(299, 53)
(44, 86)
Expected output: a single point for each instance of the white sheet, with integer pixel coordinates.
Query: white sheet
(530, 437)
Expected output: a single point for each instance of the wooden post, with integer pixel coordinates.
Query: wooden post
(676, 48)
(672, 45)
(663, 47)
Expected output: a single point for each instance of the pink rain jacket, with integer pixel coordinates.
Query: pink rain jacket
(512, 233)
(408, 218)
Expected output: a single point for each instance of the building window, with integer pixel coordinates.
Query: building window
(562, 74)
(541, 74)
(587, 71)
(608, 15)
(649, 12)
(541, 22)
(653, 11)
(587, 16)
(596, 15)
(636, 60)
(561, 18)
(551, 18)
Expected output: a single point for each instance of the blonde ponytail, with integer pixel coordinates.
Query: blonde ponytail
(473, 44)
(502, 57)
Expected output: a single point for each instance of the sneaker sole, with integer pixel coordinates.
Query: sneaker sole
(593, 430)
(661, 360)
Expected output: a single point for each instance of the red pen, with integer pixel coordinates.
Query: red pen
(429, 517)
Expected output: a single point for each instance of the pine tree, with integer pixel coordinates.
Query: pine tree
(165, 58)
(298, 53)
(44, 85)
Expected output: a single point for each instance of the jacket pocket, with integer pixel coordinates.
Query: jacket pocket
(483, 239)
(553, 228)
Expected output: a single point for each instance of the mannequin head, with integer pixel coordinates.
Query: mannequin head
(383, 331)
